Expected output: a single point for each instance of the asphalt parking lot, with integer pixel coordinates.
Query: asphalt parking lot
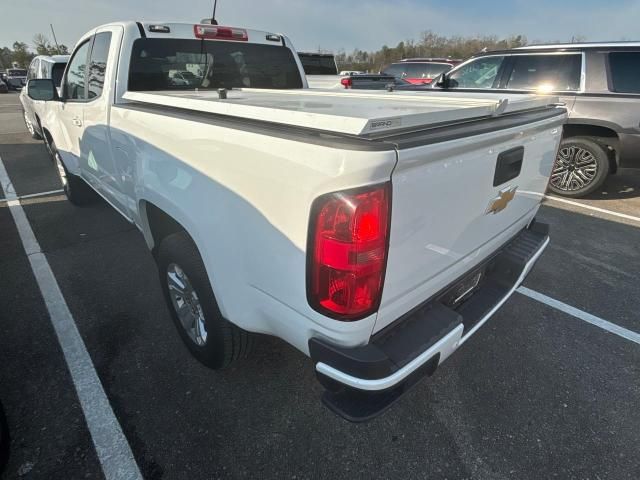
(536, 393)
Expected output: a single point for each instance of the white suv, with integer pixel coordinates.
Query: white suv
(41, 67)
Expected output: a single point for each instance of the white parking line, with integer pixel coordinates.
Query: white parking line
(32, 195)
(595, 209)
(587, 317)
(112, 448)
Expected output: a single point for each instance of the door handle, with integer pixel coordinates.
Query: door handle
(76, 121)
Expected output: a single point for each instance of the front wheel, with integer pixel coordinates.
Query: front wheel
(210, 338)
(581, 167)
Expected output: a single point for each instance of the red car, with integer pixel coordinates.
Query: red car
(420, 71)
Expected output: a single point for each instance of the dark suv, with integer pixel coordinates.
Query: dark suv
(600, 84)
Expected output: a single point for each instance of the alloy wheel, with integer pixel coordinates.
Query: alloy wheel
(575, 168)
(186, 304)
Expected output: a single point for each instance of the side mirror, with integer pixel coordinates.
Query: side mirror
(441, 82)
(42, 89)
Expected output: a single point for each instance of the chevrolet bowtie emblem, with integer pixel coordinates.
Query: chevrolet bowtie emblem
(502, 200)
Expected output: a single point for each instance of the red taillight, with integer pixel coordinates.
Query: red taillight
(347, 82)
(347, 252)
(220, 33)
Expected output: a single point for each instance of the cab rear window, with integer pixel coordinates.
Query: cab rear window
(318, 64)
(183, 64)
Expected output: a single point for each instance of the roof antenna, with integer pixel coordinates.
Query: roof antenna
(211, 20)
(213, 17)
(55, 39)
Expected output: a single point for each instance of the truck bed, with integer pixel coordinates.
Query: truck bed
(351, 113)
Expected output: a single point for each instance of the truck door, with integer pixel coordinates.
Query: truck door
(97, 164)
(69, 111)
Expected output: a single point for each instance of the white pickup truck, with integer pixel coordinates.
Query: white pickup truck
(375, 232)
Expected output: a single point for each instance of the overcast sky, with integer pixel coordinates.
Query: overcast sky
(336, 24)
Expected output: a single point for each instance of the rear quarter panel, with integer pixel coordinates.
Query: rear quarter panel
(245, 199)
(620, 113)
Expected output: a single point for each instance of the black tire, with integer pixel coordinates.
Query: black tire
(4, 440)
(31, 128)
(75, 188)
(49, 145)
(592, 161)
(225, 343)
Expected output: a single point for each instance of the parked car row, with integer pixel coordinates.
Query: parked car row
(352, 200)
(322, 72)
(420, 71)
(598, 83)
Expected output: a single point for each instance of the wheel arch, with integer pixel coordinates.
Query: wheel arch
(604, 135)
(47, 135)
(158, 224)
(39, 122)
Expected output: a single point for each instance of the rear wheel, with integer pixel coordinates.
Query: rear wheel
(581, 167)
(47, 143)
(30, 127)
(210, 338)
(75, 188)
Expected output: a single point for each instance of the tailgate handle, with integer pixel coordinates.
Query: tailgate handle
(508, 165)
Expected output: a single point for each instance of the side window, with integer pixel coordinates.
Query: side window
(98, 63)
(479, 73)
(546, 72)
(415, 70)
(57, 70)
(396, 69)
(74, 82)
(625, 72)
(45, 70)
(33, 69)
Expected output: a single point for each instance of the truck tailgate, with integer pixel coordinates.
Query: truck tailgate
(452, 205)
